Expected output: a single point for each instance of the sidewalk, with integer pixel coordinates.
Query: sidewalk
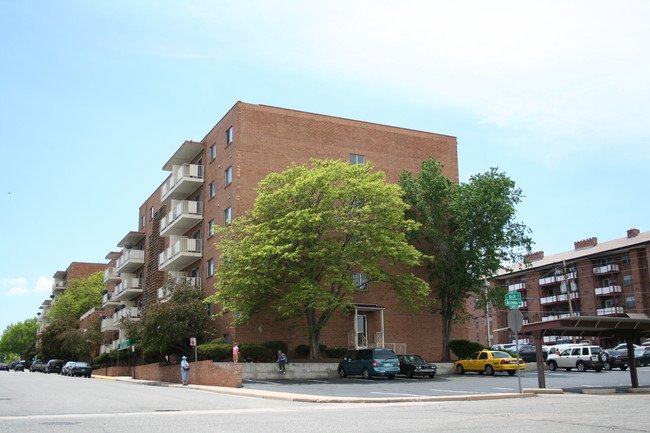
(305, 398)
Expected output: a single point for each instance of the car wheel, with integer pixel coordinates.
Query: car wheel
(552, 366)
(511, 372)
(391, 376)
(581, 367)
(460, 369)
(607, 366)
(624, 368)
(410, 373)
(568, 369)
(598, 369)
(489, 370)
(366, 373)
(638, 363)
(342, 373)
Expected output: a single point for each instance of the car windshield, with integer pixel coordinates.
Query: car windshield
(81, 364)
(385, 354)
(413, 358)
(501, 355)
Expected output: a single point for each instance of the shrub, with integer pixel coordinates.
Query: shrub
(303, 349)
(256, 353)
(216, 351)
(463, 348)
(277, 345)
(336, 352)
(101, 359)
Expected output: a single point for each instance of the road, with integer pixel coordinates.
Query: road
(34, 402)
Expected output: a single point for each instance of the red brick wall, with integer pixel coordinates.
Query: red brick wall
(228, 375)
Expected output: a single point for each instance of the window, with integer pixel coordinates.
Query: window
(211, 190)
(627, 280)
(211, 228)
(625, 259)
(213, 152)
(228, 136)
(151, 213)
(227, 216)
(630, 302)
(357, 159)
(360, 280)
(210, 267)
(228, 176)
(142, 221)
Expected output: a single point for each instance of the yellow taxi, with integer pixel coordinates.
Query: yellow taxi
(489, 361)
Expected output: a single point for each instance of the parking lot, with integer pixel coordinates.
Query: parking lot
(448, 385)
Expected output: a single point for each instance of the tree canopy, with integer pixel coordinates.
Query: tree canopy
(79, 296)
(469, 229)
(19, 340)
(166, 328)
(311, 229)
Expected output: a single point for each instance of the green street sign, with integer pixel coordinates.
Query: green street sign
(512, 296)
(514, 303)
(125, 344)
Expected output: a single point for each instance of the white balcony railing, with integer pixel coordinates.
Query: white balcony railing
(110, 276)
(557, 279)
(610, 311)
(130, 260)
(515, 287)
(558, 298)
(183, 215)
(128, 289)
(181, 253)
(607, 269)
(560, 316)
(109, 324)
(609, 290)
(58, 286)
(165, 292)
(108, 300)
(184, 179)
(130, 313)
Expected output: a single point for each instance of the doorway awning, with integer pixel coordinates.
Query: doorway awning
(367, 307)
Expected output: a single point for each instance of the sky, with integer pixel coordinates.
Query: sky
(96, 96)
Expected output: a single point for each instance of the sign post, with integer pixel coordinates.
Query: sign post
(515, 322)
(196, 358)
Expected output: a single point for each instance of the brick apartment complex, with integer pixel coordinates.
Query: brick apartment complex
(214, 180)
(593, 279)
(76, 271)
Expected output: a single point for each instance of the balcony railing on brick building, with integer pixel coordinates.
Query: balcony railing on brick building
(184, 179)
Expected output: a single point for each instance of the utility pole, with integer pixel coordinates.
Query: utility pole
(567, 285)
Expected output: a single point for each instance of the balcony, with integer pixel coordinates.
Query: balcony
(558, 298)
(610, 311)
(129, 313)
(130, 260)
(559, 316)
(557, 279)
(58, 287)
(184, 180)
(108, 324)
(183, 215)
(608, 291)
(165, 292)
(128, 289)
(181, 253)
(516, 287)
(111, 277)
(108, 300)
(607, 269)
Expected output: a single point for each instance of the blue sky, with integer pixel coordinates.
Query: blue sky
(96, 96)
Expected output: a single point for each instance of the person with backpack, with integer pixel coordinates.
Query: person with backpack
(282, 361)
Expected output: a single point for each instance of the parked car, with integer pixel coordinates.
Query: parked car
(623, 347)
(489, 361)
(504, 346)
(582, 357)
(4, 367)
(642, 356)
(66, 368)
(528, 353)
(19, 367)
(80, 369)
(415, 365)
(38, 365)
(369, 362)
(615, 359)
(54, 366)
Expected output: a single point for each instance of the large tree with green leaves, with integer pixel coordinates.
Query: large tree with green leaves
(469, 229)
(166, 328)
(311, 228)
(19, 340)
(79, 296)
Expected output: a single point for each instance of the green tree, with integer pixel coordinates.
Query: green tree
(167, 327)
(469, 228)
(19, 340)
(54, 341)
(79, 296)
(295, 252)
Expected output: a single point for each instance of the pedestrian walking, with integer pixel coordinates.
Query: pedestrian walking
(235, 353)
(185, 371)
(282, 361)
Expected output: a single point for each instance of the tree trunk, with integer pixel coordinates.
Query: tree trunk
(447, 321)
(314, 334)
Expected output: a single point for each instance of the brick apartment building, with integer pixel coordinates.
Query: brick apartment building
(593, 279)
(214, 180)
(76, 271)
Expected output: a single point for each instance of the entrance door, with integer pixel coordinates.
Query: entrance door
(362, 331)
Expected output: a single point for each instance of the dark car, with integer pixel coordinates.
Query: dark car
(4, 367)
(19, 367)
(370, 362)
(415, 365)
(38, 365)
(54, 366)
(642, 356)
(80, 369)
(615, 359)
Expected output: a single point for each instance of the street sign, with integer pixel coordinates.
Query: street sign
(193, 341)
(515, 303)
(513, 295)
(125, 344)
(515, 320)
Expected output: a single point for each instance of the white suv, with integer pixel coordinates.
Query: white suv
(579, 356)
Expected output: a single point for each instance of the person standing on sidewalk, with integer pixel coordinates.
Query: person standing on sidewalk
(282, 360)
(235, 353)
(185, 371)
